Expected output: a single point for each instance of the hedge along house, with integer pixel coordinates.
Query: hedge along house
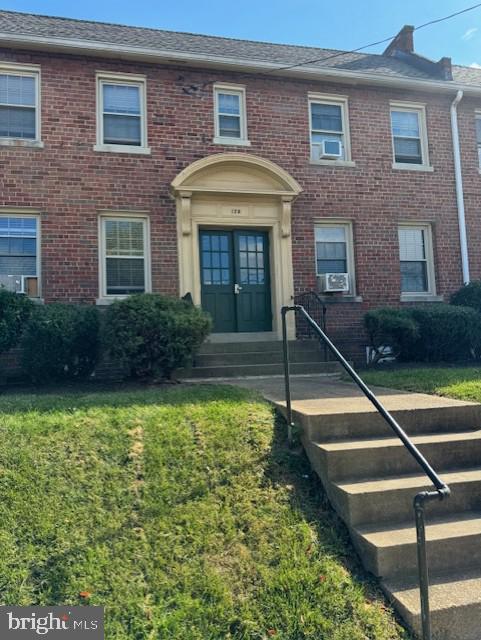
(242, 173)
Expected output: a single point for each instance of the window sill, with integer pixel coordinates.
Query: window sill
(342, 299)
(333, 163)
(232, 141)
(17, 142)
(120, 148)
(105, 302)
(412, 167)
(412, 297)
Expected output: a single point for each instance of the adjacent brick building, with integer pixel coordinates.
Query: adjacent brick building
(239, 172)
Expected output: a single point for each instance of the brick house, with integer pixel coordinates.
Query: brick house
(239, 172)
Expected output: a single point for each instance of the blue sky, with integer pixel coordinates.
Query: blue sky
(338, 24)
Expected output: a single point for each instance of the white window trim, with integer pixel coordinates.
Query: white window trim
(351, 269)
(105, 77)
(430, 294)
(343, 102)
(133, 216)
(239, 90)
(28, 213)
(420, 109)
(31, 71)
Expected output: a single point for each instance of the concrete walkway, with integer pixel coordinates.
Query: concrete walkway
(316, 395)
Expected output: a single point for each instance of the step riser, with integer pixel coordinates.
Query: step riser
(264, 370)
(369, 424)
(452, 553)
(243, 347)
(446, 624)
(397, 505)
(262, 357)
(396, 460)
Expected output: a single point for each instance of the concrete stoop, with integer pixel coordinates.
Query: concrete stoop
(261, 358)
(371, 481)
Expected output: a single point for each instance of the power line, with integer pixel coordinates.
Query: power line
(194, 88)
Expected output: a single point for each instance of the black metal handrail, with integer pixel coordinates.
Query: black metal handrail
(316, 308)
(442, 490)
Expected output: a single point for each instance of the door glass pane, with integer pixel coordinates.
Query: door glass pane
(251, 259)
(215, 259)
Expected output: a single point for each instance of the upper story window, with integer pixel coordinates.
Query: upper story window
(409, 136)
(416, 258)
(334, 250)
(121, 114)
(124, 255)
(329, 127)
(478, 137)
(230, 126)
(19, 105)
(19, 254)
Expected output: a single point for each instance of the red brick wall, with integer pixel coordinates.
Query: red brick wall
(69, 182)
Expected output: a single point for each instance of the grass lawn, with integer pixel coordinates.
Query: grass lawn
(463, 383)
(181, 511)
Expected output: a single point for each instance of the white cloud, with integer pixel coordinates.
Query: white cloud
(467, 35)
(475, 65)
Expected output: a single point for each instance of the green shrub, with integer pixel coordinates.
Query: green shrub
(429, 333)
(446, 333)
(468, 296)
(61, 342)
(152, 335)
(391, 327)
(15, 311)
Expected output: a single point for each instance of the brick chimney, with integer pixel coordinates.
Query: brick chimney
(404, 41)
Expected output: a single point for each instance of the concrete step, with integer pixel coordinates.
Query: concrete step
(254, 357)
(455, 599)
(247, 347)
(453, 542)
(388, 457)
(238, 371)
(391, 499)
(356, 418)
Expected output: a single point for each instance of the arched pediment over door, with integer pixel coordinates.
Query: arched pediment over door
(236, 190)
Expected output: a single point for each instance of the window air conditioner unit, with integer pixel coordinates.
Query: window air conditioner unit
(331, 149)
(333, 282)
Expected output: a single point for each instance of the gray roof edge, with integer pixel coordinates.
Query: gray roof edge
(129, 52)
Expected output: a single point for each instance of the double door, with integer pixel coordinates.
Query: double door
(235, 282)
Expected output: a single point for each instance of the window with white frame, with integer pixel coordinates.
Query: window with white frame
(416, 259)
(230, 115)
(121, 118)
(19, 104)
(329, 129)
(334, 249)
(19, 253)
(409, 134)
(478, 137)
(124, 254)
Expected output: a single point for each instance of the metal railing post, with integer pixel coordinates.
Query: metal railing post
(287, 382)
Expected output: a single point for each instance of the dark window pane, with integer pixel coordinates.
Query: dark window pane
(17, 122)
(326, 117)
(122, 130)
(408, 150)
(331, 266)
(229, 126)
(414, 277)
(18, 265)
(331, 250)
(125, 275)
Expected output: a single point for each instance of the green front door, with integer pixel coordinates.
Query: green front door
(235, 280)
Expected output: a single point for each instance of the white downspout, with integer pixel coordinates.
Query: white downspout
(459, 188)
